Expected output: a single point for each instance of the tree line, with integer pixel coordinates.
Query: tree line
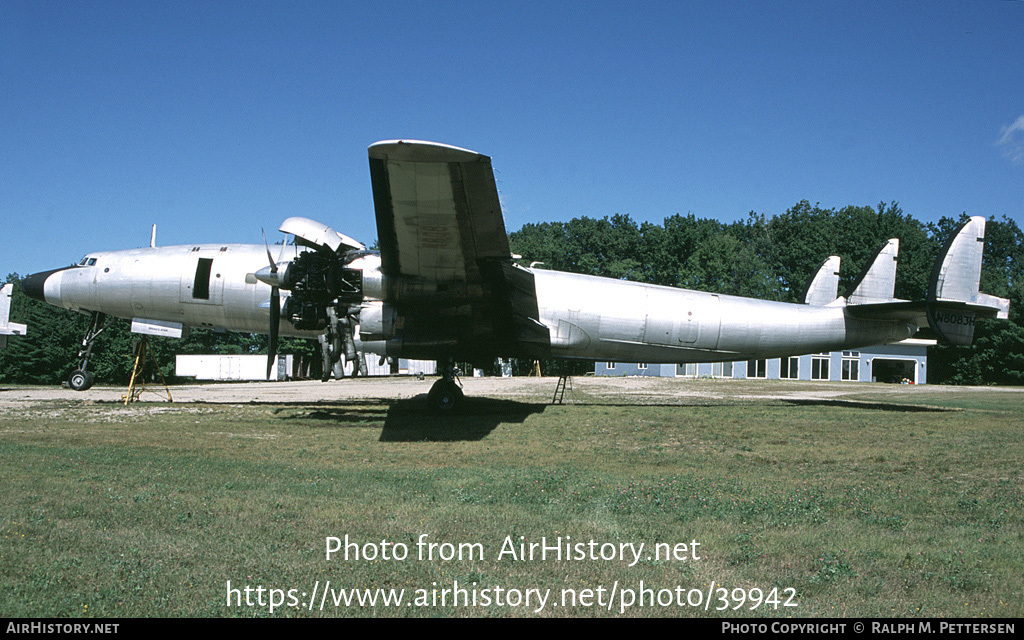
(768, 257)
(773, 258)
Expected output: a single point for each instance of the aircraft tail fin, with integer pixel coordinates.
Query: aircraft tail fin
(954, 300)
(824, 286)
(954, 296)
(878, 282)
(8, 328)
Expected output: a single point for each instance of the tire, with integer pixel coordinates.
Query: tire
(80, 380)
(445, 396)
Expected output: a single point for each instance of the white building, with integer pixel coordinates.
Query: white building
(905, 361)
(254, 367)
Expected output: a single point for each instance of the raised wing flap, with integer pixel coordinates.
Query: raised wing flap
(440, 230)
(437, 209)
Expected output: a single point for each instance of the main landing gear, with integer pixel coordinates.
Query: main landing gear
(339, 342)
(446, 394)
(81, 378)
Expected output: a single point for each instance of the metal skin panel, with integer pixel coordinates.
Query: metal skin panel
(318, 234)
(957, 275)
(824, 286)
(425, 221)
(627, 321)
(878, 281)
(446, 264)
(156, 283)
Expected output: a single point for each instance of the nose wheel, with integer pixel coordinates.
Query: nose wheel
(81, 378)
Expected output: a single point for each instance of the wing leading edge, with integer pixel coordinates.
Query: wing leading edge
(445, 254)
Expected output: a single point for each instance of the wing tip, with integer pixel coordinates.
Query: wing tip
(421, 151)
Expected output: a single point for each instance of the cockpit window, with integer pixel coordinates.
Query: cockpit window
(87, 262)
(92, 261)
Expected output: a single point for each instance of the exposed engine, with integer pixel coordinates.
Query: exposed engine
(326, 290)
(318, 281)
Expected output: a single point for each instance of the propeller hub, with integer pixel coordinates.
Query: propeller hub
(273, 275)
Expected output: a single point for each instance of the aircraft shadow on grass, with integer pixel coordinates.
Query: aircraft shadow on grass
(414, 420)
(860, 404)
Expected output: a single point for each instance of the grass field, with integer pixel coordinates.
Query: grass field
(875, 505)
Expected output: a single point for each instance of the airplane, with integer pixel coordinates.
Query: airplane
(8, 328)
(445, 286)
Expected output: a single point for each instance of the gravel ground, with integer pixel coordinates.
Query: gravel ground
(643, 390)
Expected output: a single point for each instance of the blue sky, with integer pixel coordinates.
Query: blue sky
(216, 119)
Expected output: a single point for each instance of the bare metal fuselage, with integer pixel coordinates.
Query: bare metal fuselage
(159, 283)
(604, 319)
(587, 317)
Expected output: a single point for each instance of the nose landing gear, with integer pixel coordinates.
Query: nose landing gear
(81, 378)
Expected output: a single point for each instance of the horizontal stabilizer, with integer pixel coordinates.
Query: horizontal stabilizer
(8, 328)
(878, 282)
(824, 286)
(954, 299)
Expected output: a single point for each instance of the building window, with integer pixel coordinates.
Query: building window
(609, 365)
(757, 368)
(789, 368)
(819, 368)
(721, 369)
(690, 369)
(641, 365)
(851, 369)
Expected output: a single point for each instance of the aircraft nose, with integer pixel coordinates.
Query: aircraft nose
(34, 285)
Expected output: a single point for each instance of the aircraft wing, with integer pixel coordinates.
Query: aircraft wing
(445, 255)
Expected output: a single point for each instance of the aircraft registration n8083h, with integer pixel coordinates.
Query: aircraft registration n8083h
(444, 287)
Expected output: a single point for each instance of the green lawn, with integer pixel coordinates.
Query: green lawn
(888, 507)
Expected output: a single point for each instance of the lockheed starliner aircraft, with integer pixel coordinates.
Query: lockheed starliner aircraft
(444, 286)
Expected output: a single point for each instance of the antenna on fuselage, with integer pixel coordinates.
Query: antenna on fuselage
(152, 237)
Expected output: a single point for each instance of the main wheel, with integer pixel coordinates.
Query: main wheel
(445, 395)
(80, 380)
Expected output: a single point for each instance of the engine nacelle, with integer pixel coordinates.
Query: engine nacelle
(376, 321)
(319, 236)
